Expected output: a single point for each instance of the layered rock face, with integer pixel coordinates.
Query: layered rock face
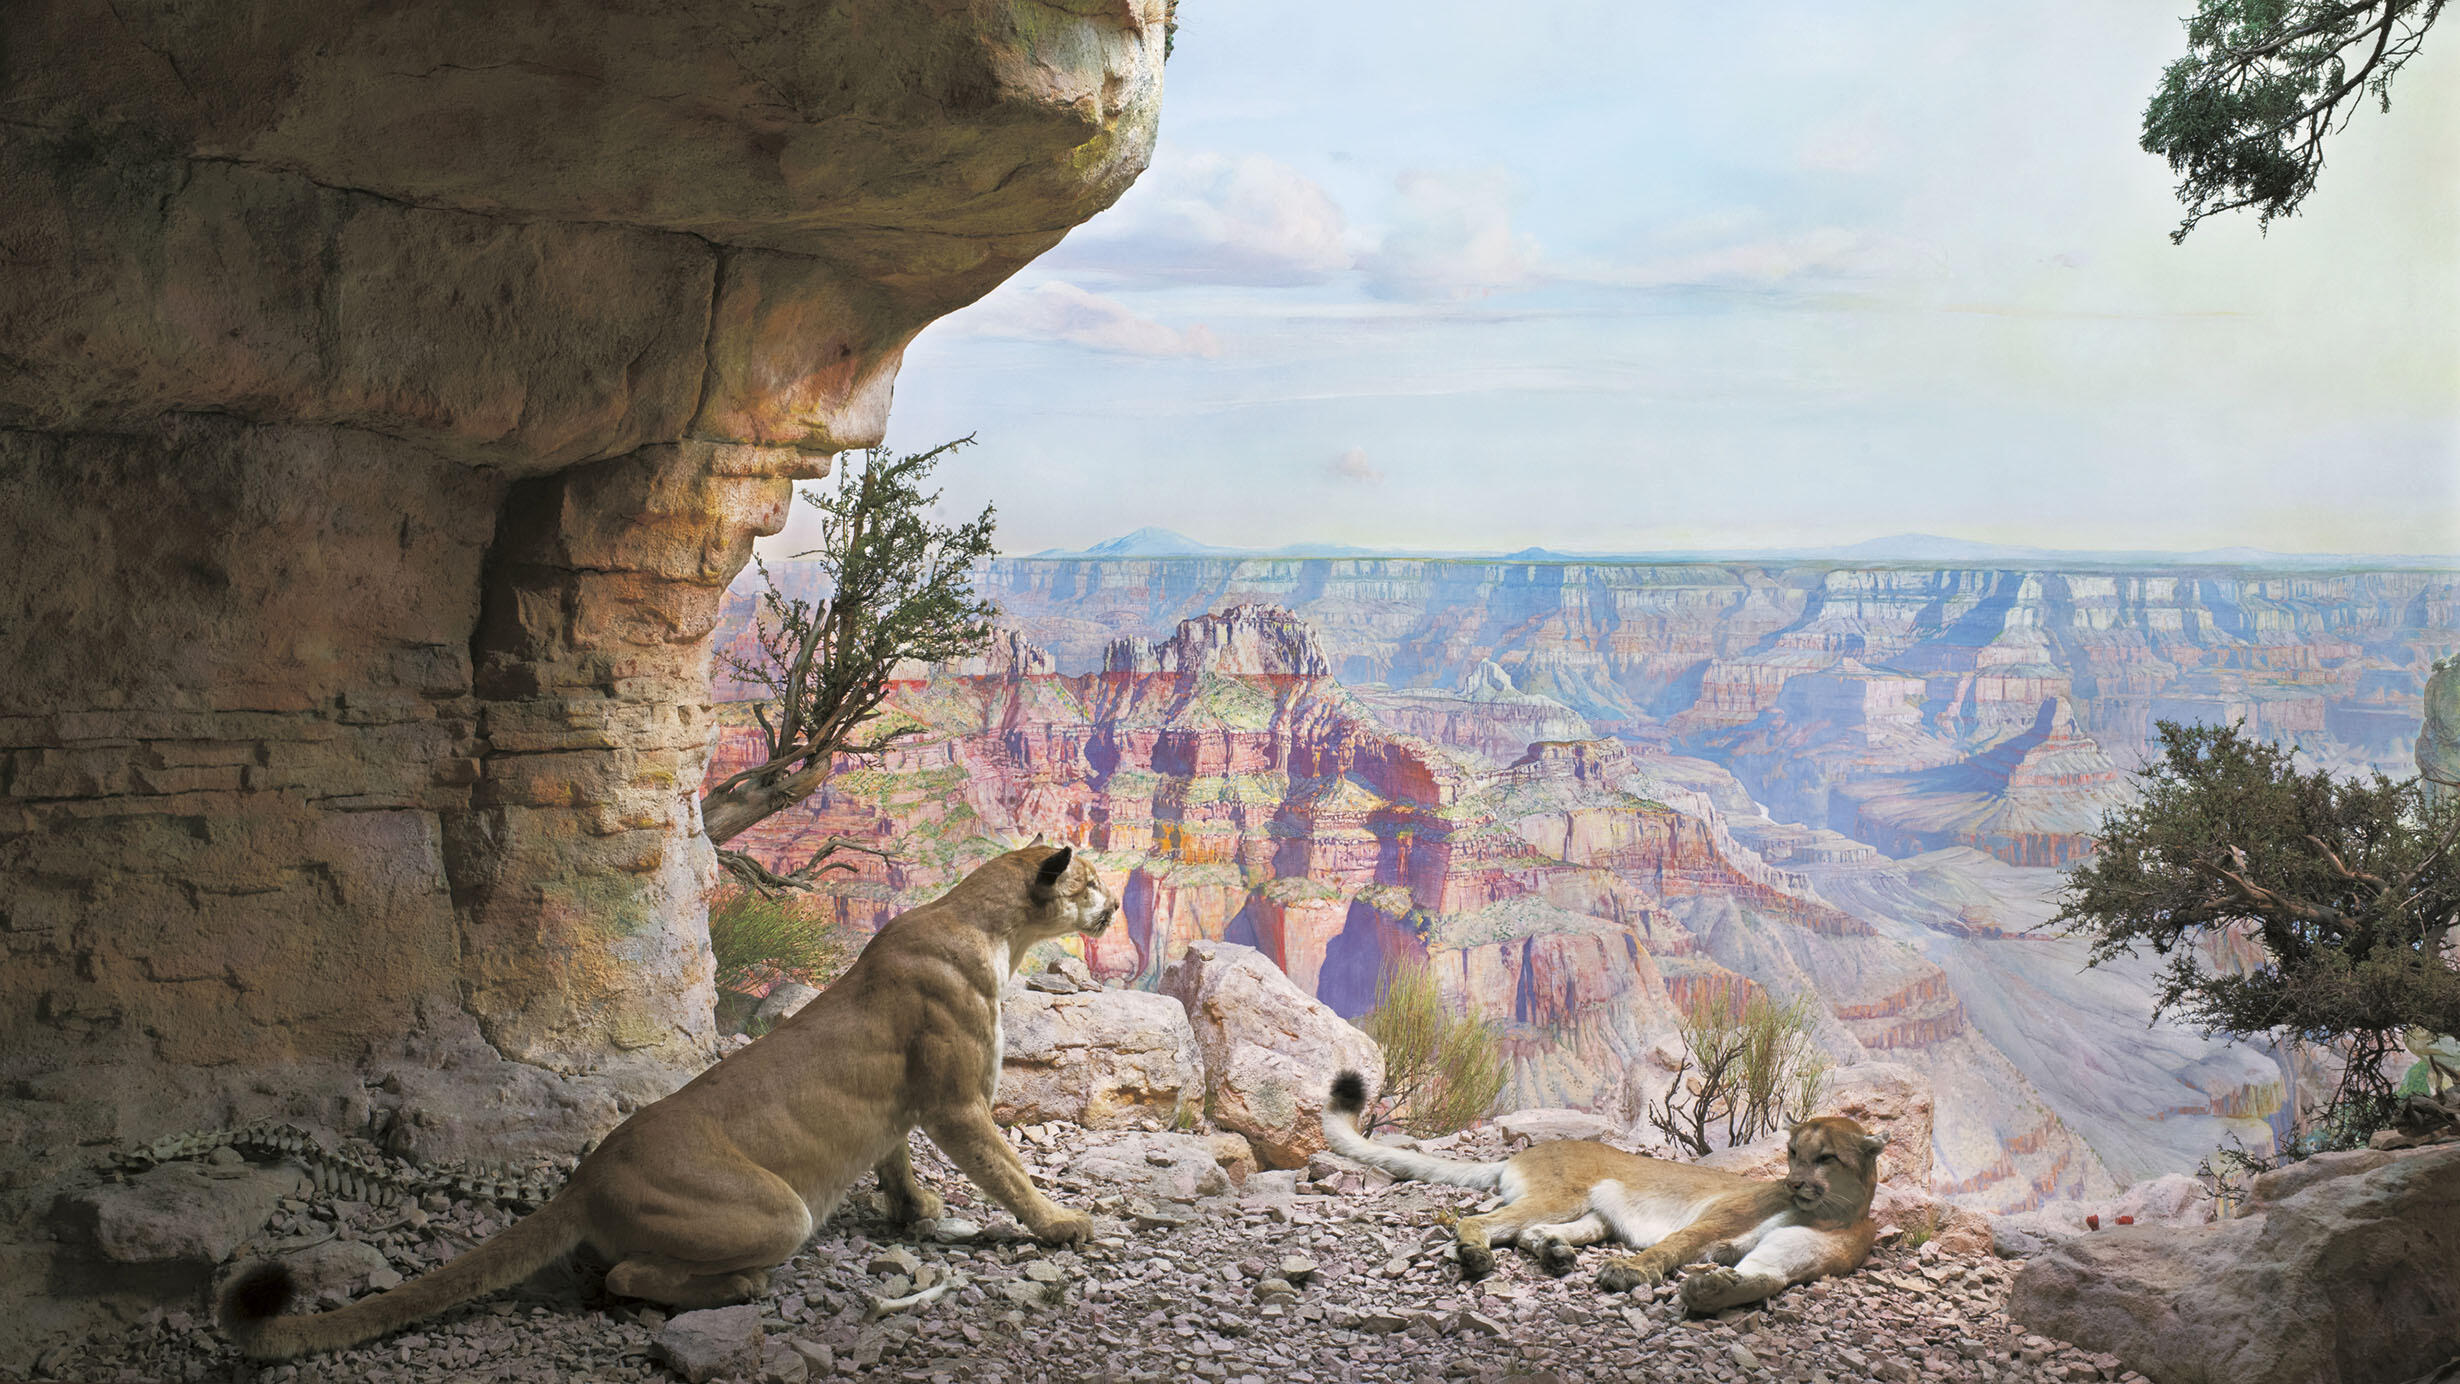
(390, 394)
(1232, 792)
(1809, 679)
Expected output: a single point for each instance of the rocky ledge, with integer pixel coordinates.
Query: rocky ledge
(1324, 1273)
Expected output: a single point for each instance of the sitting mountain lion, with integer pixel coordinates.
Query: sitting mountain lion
(1570, 1192)
(697, 1197)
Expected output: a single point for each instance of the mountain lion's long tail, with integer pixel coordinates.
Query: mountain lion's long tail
(252, 1304)
(1341, 1110)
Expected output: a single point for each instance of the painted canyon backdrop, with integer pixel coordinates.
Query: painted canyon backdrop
(1591, 790)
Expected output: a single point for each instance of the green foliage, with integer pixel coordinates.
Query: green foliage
(2242, 118)
(2413, 1083)
(1749, 1064)
(900, 587)
(2344, 889)
(1442, 1071)
(760, 937)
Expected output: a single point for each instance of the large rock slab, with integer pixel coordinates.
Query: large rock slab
(2352, 1276)
(1103, 1059)
(1162, 1167)
(192, 1213)
(1269, 1049)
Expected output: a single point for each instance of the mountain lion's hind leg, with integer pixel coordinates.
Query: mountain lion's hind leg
(711, 1243)
(908, 1200)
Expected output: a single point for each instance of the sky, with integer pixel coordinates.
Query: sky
(1634, 276)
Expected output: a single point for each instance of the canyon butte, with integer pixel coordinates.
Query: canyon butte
(1593, 793)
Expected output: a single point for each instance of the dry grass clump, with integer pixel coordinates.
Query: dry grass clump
(1442, 1071)
(1748, 1064)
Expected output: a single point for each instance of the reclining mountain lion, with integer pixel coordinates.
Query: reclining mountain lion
(1573, 1192)
(696, 1197)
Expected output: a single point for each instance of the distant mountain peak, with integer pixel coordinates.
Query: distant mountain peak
(1152, 541)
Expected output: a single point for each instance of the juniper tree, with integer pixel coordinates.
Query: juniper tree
(2287, 905)
(899, 587)
(2242, 118)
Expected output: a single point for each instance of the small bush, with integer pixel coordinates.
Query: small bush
(1749, 1065)
(759, 939)
(1442, 1071)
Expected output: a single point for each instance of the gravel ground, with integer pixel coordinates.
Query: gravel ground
(1167, 1291)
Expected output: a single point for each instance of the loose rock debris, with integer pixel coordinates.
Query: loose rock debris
(1292, 1278)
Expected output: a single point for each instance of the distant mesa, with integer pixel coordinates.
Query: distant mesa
(1893, 550)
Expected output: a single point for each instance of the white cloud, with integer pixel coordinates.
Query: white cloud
(1216, 219)
(1821, 253)
(1453, 239)
(1353, 467)
(1057, 311)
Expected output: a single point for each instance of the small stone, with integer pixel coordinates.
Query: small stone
(954, 1230)
(1381, 1322)
(1044, 1271)
(782, 1365)
(717, 1341)
(1271, 1289)
(1395, 1267)
(897, 1260)
(1298, 1269)
(818, 1355)
(1742, 1357)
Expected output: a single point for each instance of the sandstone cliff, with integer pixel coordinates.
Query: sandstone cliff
(388, 395)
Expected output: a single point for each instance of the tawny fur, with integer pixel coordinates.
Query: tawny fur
(1762, 1236)
(696, 1197)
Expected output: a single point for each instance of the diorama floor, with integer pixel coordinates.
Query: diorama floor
(1167, 1291)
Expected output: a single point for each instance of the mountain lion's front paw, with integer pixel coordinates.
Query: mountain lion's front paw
(1065, 1228)
(1557, 1257)
(1714, 1290)
(1629, 1272)
(1725, 1252)
(924, 1205)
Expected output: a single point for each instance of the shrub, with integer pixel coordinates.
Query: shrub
(2309, 909)
(1442, 1071)
(760, 938)
(1750, 1065)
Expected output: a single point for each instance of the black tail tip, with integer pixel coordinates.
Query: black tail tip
(1349, 1093)
(258, 1294)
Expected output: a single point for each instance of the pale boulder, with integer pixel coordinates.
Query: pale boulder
(2354, 1274)
(1546, 1125)
(1269, 1049)
(1160, 1167)
(1103, 1059)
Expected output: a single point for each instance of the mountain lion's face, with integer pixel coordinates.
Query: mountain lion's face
(1832, 1165)
(1068, 897)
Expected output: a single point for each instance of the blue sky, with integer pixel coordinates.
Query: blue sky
(1637, 275)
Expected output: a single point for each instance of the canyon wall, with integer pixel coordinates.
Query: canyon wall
(1590, 793)
(1231, 789)
(1811, 678)
(388, 395)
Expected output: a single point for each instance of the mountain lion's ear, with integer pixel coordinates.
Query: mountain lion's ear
(1046, 879)
(1873, 1143)
(1035, 842)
